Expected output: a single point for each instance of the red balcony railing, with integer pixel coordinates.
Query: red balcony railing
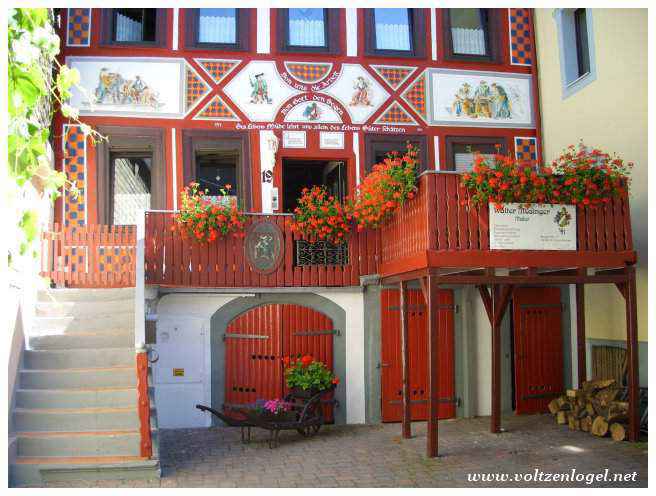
(173, 261)
(438, 229)
(94, 256)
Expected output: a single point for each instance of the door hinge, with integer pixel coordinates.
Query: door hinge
(381, 365)
(336, 332)
(244, 336)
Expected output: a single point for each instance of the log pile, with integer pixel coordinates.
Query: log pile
(596, 408)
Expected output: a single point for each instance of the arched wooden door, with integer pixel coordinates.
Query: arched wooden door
(257, 341)
(391, 371)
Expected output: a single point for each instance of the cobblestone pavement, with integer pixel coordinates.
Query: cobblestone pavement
(376, 456)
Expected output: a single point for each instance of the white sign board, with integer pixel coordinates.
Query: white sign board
(293, 139)
(538, 227)
(331, 140)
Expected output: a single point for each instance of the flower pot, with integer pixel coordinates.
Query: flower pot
(304, 393)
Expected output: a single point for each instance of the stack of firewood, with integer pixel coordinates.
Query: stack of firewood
(596, 408)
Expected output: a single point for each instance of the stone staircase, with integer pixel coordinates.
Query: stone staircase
(75, 410)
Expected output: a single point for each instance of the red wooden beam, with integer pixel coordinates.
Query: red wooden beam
(632, 356)
(433, 365)
(580, 333)
(406, 428)
(143, 403)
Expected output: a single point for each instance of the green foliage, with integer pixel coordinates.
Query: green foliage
(307, 373)
(33, 94)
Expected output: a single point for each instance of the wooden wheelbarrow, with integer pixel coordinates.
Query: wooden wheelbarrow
(305, 415)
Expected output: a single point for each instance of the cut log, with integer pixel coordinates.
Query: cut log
(590, 387)
(561, 417)
(617, 432)
(599, 426)
(590, 409)
(553, 406)
(573, 393)
(586, 423)
(605, 396)
(574, 423)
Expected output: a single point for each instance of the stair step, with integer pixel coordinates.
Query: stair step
(76, 398)
(79, 358)
(78, 378)
(83, 308)
(83, 340)
(78, 444)
(84, 295)
(37, 470)
(97, 323)
(75, 419)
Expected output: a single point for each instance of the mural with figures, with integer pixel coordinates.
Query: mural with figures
(480, 98)
(129, 87)
(259, 91)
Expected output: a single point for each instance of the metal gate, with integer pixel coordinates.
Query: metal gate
(538, 347)
(390, 365)
(257, 341)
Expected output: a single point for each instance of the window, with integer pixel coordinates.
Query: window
(395, 32)
(130, 186)
(377, 147)
(134, 26)
(130, 173)
(460, 150)
(471, 34)
(582, 50)
(576, 47)
(215, 159)
(309, 30)
(393, 29)
(218, 29)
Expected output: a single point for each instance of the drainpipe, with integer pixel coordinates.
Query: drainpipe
(536, 89)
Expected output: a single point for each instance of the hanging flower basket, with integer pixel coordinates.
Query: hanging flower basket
(202, 219)
(306, 377)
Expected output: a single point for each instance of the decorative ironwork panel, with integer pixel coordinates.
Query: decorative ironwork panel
(321, 253)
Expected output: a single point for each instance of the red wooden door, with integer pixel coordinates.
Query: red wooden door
(257, 341)
(538, 348)
(391, 372)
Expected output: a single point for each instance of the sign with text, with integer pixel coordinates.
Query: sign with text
(537, 227)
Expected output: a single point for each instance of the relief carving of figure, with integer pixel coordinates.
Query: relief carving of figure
(259, 89)
(362, 94)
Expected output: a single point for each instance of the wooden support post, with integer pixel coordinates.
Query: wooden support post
(580, 334)
(406, 428)
(433, 365)
(495, 425)
(632, 356)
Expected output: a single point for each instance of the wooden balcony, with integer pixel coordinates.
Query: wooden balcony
(437, 229)
(172, 261)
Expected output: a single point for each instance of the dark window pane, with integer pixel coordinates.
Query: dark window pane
(307, 27)
(582, 48)
(217, 26)
(135, 25)
(469, 31)
(299, 174)
(393, 30)
(130, 186)
(215, 169)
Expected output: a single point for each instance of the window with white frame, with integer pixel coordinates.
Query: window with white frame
(576, 47)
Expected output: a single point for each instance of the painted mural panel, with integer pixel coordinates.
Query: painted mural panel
(312, 111)
(259, 91)
(139, 87)
(358, 91)
(487, 99)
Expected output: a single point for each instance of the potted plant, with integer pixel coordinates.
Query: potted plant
(385, 189)
(307, 376)
(203, 219)
(320, 216)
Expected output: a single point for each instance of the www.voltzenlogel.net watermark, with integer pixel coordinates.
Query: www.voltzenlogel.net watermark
(573, 476)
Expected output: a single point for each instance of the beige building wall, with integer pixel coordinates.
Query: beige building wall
(610, 113)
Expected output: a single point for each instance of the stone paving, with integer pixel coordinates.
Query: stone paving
(376, 456)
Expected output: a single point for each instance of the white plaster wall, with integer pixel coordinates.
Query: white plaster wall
(183, 341)
(353, 305)
(481, 356)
